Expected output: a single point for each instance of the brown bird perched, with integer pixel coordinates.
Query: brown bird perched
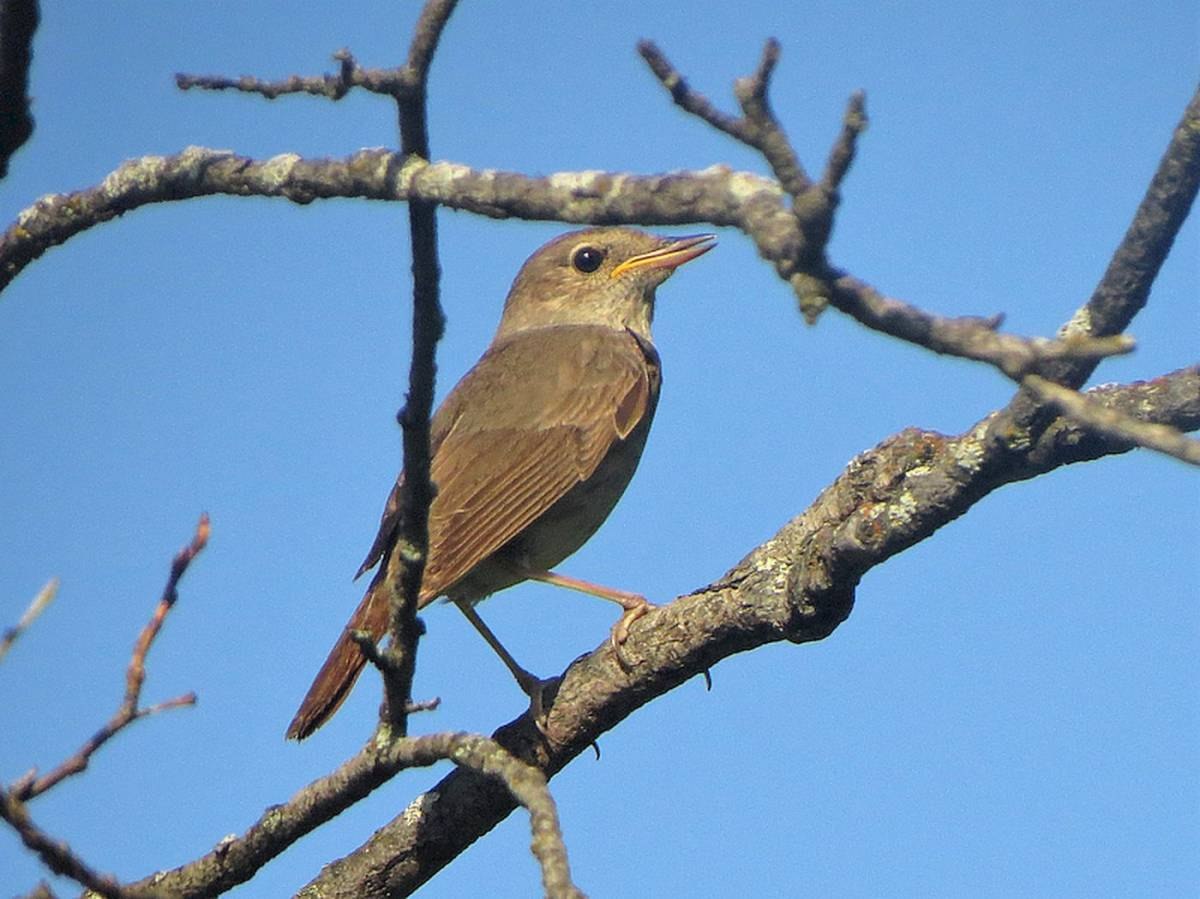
(535, 445)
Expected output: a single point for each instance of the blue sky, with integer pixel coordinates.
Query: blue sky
(1010, 710)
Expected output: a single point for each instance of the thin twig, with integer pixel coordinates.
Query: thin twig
(690, 100)
(969, 337)
(55, 854)
(854, 123)
(135, 675)
(44, 597)
(331, 86)
(1114, 424)
(528, 786)
(757, 127)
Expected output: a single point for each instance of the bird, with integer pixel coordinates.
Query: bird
(533, 447)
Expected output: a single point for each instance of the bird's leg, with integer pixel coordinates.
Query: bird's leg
(531, 685)
(634, 604)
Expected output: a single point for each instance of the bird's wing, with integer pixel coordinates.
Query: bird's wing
(499, 465)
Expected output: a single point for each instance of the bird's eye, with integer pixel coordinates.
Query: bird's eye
(587, 259)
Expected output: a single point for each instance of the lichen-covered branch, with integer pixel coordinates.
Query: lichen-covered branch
(716, 195)
(1114, 424)
(797, 586)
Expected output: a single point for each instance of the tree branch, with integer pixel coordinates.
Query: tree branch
(1114, 424)
(797, 586)
(129, 711)
(55, 854)
(1125, 286)
(715, 195)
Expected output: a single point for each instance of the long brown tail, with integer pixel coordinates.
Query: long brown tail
(333, 682)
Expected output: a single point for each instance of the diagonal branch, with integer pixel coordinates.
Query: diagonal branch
(757, 127)
(130, 709)
(797, 586)
(1125, 286)
(55, 854)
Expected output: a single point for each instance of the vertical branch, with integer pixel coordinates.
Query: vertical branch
(404, 579)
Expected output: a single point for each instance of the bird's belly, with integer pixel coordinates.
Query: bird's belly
(561, 529)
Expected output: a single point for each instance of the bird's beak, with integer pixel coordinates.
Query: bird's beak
(671, 255)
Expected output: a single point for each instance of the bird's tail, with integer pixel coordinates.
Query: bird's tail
(334, 681)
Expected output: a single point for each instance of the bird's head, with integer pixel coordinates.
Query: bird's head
(599, 276)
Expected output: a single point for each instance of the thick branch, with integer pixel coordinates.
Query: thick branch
(1125, 286)
(717, 195)
(797, 586)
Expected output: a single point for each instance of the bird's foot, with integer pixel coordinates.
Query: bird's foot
(635, 607)
(541, 694)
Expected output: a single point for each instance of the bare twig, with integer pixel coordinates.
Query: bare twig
(44, 597)
(528, 786)
(334, 87)
(129, 711)
(18, 22)
(757, 127)
(1114, 424)
(968, 338)
(690, 100)
(55, 854)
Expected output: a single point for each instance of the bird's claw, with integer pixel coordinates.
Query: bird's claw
(620, 631)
